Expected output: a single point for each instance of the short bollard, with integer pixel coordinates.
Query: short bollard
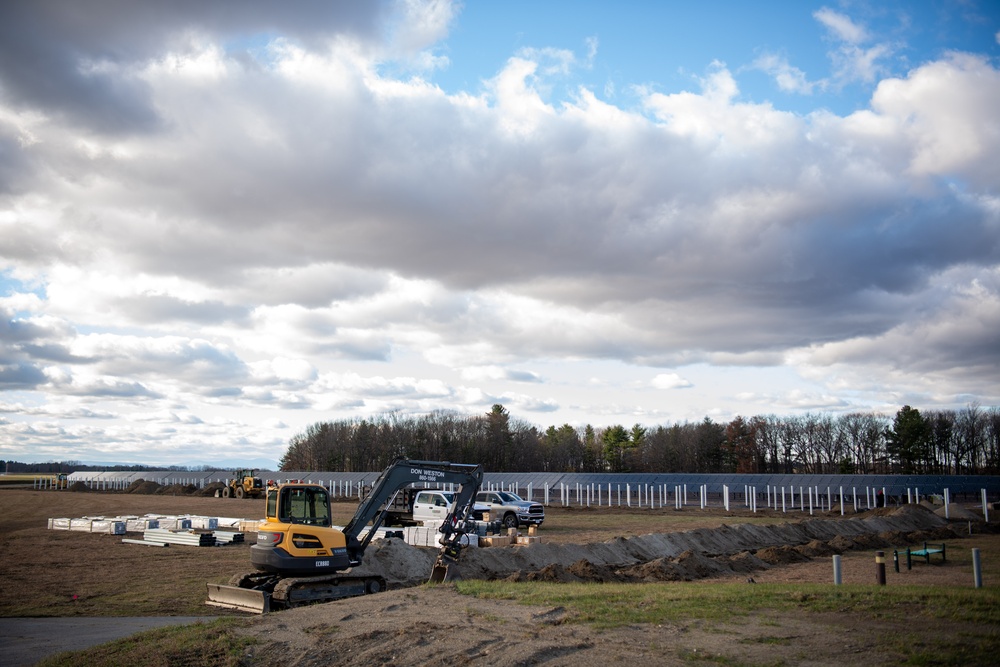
(880, 567)
(836, 571)
(977, 569)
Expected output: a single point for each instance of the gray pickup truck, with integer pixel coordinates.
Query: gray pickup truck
(510, 509)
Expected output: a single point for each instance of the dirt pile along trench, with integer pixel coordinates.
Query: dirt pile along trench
(681, 556)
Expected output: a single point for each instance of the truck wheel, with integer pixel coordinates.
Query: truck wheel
(239, 492)
(226, 492)
(510, 520)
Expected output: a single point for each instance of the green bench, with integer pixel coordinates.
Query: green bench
(928, 551)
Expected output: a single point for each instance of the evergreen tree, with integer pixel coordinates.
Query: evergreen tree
(908, 439)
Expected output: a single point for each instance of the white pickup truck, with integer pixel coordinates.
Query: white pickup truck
(509, 509)
(432, 505)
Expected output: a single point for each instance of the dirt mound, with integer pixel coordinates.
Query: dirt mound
(958, 513)
(841, 543)
(552, 573)
(781, 555)
(143, 487)
(895, 537)
(661, 569)
(398, 562)
(679, 556)
(79, 487)
(870, 541)
(210, 489)
(885, 511)
(686, 567)
(745, 562)
(939, 533)
(816, 549)
(177, 490)
(587, 571)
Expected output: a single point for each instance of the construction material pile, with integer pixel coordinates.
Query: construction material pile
(161, 529)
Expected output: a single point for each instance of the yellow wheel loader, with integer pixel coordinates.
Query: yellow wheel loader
(244, 484)
(299, 556)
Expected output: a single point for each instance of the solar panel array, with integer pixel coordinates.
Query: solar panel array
(894, 485)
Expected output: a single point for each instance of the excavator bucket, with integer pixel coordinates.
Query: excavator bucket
(242, 599)
(444, 570)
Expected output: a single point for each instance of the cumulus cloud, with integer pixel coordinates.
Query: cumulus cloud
(789, 78)
(57, 56)
(257, 214)
(852, 60)
(841, 26)
(670, 381)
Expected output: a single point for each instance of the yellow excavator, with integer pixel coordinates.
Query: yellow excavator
(300, 557)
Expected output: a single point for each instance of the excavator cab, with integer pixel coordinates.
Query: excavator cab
(297, 538)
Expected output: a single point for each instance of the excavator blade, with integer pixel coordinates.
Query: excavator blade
(242, 599)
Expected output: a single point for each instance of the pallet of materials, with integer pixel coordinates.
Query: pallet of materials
(172, 522)
(89, 525)
(203, 522)
(426, 536)
(136, 524)
(182, 537)
(188, 538)
(227, 537)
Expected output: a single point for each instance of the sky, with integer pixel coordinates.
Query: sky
(223, 222)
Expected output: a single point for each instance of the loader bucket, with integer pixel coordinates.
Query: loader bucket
(242, 599)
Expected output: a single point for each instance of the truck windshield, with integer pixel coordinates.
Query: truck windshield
(510, 497)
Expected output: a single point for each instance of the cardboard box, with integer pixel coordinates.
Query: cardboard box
(496, 541)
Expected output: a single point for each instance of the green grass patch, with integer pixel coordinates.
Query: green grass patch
(615, 605)
(214, 644)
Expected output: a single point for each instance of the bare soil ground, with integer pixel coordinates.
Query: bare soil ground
(55, 573)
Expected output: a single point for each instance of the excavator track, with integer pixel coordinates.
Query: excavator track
(298, 591)
(260, 593)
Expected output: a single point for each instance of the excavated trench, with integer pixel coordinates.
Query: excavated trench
(680, 556)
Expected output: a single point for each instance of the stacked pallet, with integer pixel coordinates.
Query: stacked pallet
(226, 537)
(182, 537)
(89, 525)
(137, 524)
(174, 522)
(428, 536)
(203, 522)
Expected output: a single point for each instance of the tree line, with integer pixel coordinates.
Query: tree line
(965, 441)
(66, 467)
